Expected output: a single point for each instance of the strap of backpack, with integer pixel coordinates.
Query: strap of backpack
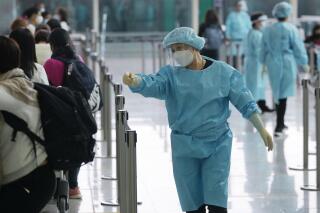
(19, 125)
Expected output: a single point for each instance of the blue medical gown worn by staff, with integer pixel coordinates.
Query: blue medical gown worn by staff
(282, 49)
(238, 25)
(197, 104)
(255, 80)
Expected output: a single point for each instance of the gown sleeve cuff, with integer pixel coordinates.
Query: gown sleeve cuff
(139, 87)
(249, 109)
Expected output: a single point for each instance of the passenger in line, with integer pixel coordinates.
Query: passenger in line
(28, 60)
(211, 30)
(62, 16)
(27, 182)
(253, 70)
(34, 18)
(43, 48)
(282, 49)
(61, 46)
(18, 23)
(197, 93)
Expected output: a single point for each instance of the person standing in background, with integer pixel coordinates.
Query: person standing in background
(282, 49)
(211, 30)
(62, 16)
(238, 25)
(34, 18)
(253, 70)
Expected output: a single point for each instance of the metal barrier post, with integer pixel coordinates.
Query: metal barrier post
(143, 55)
(239, 60)
(312, 60)
(122, 117)
(153, 56)
(103, 70)
(106, 117)
(120, 101)
(108, 114)
(160, 55)
(317, 187)
(305, 94)
(131, 140)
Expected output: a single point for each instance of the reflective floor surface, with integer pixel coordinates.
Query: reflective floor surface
(260, 182)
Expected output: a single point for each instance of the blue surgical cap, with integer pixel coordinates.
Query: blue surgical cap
(282, 10)
(184, 35)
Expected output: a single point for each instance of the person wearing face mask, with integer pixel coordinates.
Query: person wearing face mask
(34, 18)
(238, 25)
(254, 75)
(282, 50)
(62, 16)
(197, 91)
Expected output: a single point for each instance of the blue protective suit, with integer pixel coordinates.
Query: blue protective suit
(238, 25)
(255, 80)
(282, 49)
(197, 104)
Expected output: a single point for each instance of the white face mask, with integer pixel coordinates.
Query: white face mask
(39, 19)
(56, 16)
(183, 58)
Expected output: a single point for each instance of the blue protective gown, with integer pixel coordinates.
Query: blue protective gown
(282, 49)
(238, 25)
(197, 104)
(255, 80)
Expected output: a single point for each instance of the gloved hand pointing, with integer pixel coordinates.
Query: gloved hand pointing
(131, 79)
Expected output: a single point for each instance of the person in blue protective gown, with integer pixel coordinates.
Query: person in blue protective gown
(282, 49)
(238, 25)
(197, 93)
(254, 72)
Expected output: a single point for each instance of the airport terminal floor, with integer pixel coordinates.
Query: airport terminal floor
(197, 59)
(260, 181)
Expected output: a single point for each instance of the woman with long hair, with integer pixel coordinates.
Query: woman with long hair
(28, 58)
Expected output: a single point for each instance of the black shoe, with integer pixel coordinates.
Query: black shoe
(278, 132)
(267, 109)
(264, 108)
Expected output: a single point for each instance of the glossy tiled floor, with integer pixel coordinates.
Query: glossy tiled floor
(260, 182)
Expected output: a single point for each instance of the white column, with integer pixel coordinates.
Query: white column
(295, 5)
(195, 14)
(95, 15)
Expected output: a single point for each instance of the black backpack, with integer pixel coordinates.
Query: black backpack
(78, 77)
(68, 127)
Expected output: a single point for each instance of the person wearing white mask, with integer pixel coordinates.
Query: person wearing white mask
(34, 18)
(253, 70)
(197, 92)
(62, 16)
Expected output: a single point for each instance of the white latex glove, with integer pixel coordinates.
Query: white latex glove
(266, 137)
(306, 68)
(131, 79)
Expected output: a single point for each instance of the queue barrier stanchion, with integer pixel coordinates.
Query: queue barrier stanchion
(131, 141)
(153, 52)
(305, 106)
(239, 58)
(103, 70)
(312, 60)
(107, 116)
(317, 186)
(143, 59)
